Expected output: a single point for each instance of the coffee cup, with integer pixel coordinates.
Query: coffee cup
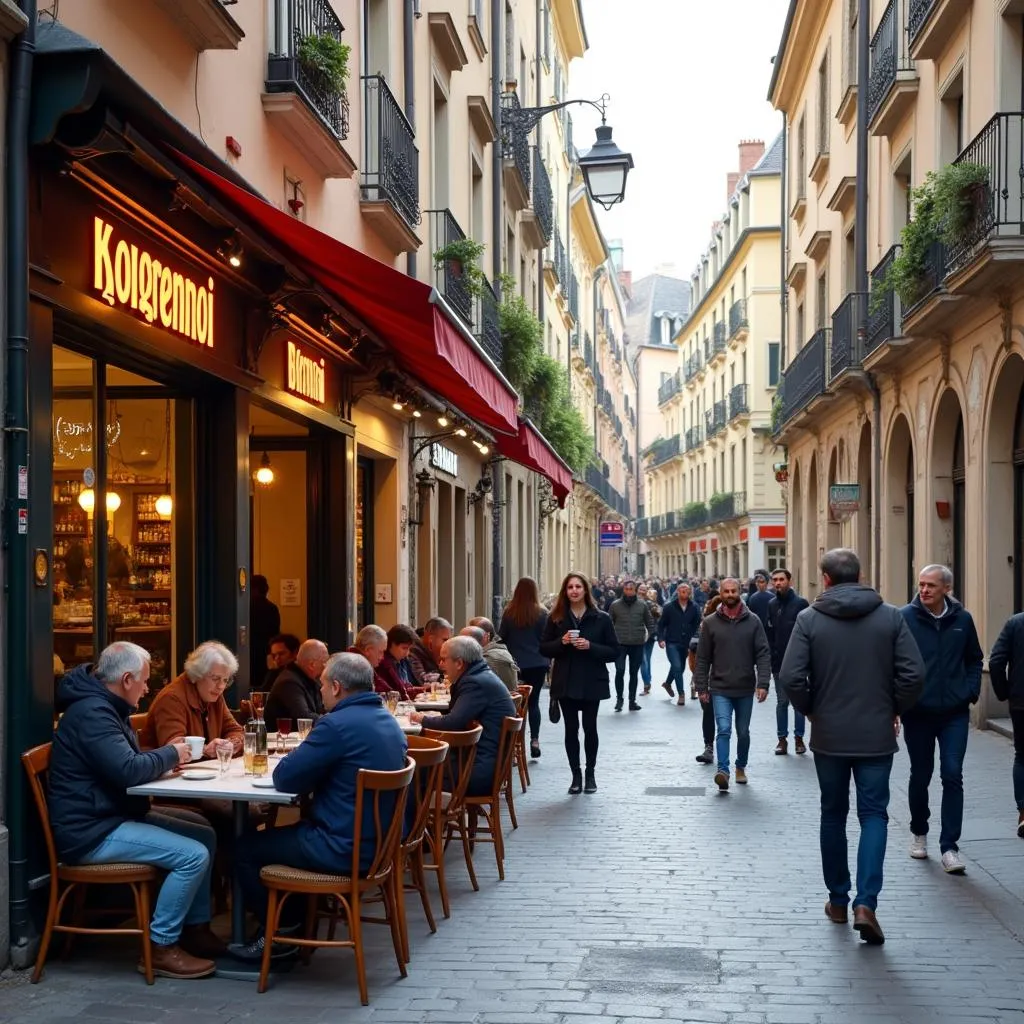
(572, 634)
(196, 744)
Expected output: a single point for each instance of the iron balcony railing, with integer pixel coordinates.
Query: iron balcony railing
(719, 337)
(451, 281)
(846, 321)
(642, 527)
(609, 495)
(488, 326)
(730, 505)
(599, 380)
(515, 145)
(694, 364)
(543, 199)
(917, 16)
(883, 306)
(391, 161)
(804, 379)
(574, 296)
(715, 419)
(558, 258)
(888, 56)
(694, 437)
(294, 23)
(737, 317)
(669, 388)
(695, 514)
(607, 406)
(588, 350)
(738, 403)
(665, 449)
(932, 275)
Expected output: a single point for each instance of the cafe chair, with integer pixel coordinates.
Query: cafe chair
(489, 807)
(67, 879)
(138, 723)
(383, 876)
(461, 757)
(520, 759)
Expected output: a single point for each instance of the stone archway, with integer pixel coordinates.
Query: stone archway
(834, 527)
(898, 539)
(796, 538)
(862, 527)
(947, 510)
(811, 584)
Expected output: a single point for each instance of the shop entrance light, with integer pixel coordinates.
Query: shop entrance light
(265, 474)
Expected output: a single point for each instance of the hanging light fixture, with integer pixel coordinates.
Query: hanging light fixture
(113, 501)
(164, 505)
(442, 420)
(265, 474)
(87, 499)
(230, 250)
(417, 414)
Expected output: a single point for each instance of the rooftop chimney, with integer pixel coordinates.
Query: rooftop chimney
(732, 179)
(751, 150)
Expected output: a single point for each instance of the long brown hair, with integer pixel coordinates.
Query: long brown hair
(525, 608)
(560, 612)
(711, 605)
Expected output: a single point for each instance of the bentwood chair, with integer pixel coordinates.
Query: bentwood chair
(461, 757)
(138, 723)
(375, 791)
(66, 879)
(490, 806)
(520, 759)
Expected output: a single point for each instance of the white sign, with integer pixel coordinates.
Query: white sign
(22, 483)
(291, 593)
(444, 459)
(306, 377)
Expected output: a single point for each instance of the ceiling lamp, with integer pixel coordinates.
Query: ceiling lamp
(164, 506)
(265, 475)
(397, 404)
(87, 499)
(113, 501)
(484, 449)
(230, 250)
(461, 432)
(442, 420)
(416, 414)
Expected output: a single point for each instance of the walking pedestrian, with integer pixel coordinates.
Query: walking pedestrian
(1008, 654)
(853, 668)
(679, 622)
(759, 599)
(945, 634)
(633, 623)
(783, 609)
(732, 651)
(581, 641)
(707, 722)
(522, 626)
(645, 592)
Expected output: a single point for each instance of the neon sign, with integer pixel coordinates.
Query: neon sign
(306, 377)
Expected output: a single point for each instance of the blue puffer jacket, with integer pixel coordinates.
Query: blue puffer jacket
(95, 759)
(952, 657)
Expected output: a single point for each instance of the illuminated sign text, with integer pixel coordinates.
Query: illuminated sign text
(306, 376)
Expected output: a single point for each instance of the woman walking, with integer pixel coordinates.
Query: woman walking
(522, 626)
(707, 723)
(581, 641)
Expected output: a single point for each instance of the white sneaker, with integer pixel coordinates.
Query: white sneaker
(953, 863)
(919, 847)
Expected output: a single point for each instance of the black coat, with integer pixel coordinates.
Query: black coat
(581, 675)
(294, 695)
(1008, 653)
(677, 626)
(782, 613)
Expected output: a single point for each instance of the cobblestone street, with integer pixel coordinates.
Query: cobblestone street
(657, 899)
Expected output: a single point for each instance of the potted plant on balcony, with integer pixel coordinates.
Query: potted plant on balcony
(463, 259)
(323, 60)
(694, 513)
(718, 503)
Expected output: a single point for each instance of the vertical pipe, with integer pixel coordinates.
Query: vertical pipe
(409, 76)
(539, 100)
(497, 473)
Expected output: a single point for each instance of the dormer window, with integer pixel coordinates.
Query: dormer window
(666, 331)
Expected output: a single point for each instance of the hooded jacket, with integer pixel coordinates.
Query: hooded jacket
(952, 657)
(782, 613)
(731, 652)
(852, 666)
(500, 661)
(95, 759)
(632, 620)
(1008, 653)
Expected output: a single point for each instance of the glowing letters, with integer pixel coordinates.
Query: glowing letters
(306, 377)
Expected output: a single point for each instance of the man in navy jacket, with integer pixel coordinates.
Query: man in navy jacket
(1006, 670)
(356, 732)
(679, 622)
(945, 634)
(783, 609)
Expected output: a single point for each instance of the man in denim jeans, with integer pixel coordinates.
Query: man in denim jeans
(852, 667)
(95, 759)
(679, 622)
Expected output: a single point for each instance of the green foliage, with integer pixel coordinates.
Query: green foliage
(694, 513)
(777, 403)
(521, 335)
(325, 60)
(717, 501)
(465, 252)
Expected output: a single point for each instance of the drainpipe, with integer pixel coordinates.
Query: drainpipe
(539, 102)
(15, 428)
(784, 221)
(409, 74)
(497, 232)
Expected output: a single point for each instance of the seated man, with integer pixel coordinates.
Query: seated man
(424, 658)
(497, 655)
(296, 691)
(479, 696)
(95, 759)
(284, 649)
(372, 643)
(356, 731)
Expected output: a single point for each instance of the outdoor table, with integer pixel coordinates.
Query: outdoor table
(409, 728)
(437, 707)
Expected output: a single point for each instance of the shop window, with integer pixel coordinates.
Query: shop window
(775, 554)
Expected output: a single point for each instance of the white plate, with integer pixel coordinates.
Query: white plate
(198, 774)
(264, 782)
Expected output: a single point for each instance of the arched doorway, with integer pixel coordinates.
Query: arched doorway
(796, 523)
(811, 531)
(834, 530)
(865, 545)
(899, 582)
(948, 465)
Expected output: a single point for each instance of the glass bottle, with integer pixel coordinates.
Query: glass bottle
(260, 761)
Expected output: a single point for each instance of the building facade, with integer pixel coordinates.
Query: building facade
(712, 504)
(920, 414)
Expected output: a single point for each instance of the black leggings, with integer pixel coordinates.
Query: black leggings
(535, 678)
(571, 712)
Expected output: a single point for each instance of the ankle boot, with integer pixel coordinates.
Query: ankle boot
(577, 782)
(590, 786)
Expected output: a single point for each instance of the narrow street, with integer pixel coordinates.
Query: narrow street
(655, 900)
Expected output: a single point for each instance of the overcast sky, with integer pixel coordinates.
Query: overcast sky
(687, 80)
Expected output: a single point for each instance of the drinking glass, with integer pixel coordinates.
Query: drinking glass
(404, 709)
(304, 726)
(248, 751)
(391, 698)
(284, 728)
(257, 698)
(225, 751)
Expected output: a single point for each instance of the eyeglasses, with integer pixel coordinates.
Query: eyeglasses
(220, 680)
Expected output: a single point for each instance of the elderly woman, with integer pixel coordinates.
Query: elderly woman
(194, 705)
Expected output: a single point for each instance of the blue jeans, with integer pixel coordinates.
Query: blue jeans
(635, 653)
(724, 709)
(182, 844)
(871, 777)
(676, 665)
(645, 664)
(920, 733)
(782, 715)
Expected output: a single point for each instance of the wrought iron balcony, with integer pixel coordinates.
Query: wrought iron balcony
(694, 364)
(391, 161)
(294, 23)
(889, 59)
(932, 276)
(918, 14)
(719, 339)
(559, 259)
(716, 419)
(738, 403)
(695, 514)
(846, 321)
(515, 146)
(664, 449)
(607, 406)
(804, 379)
(574, 297)
(738, 317)
(883, 307)
(488, 325)
(669, 388)
(932, 23)
(642, 528)
(450, 281)
(730, 505)
(543, 200)
(588, 351)
(694, 438)
(608, 494)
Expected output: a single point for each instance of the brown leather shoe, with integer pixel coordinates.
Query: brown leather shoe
(201, 941)
(782, 747)
(174, 962)
(836, 913)
(865, 922)
(801, 747)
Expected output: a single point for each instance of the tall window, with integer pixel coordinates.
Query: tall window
(798, 327)
(824, 103)
(850, 45)
(800, 164)
(822, 300)
(951, 120)
(773, 364)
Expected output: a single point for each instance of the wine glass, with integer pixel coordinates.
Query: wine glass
(284, 728)
(304, 726)
(391, 698)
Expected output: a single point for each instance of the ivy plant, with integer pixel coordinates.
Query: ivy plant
(463, 255)
(325, 61)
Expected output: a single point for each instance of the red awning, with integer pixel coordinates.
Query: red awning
(529, 449)
(395, 306)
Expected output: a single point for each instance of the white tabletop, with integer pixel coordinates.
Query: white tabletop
(437, 707)
(408, 727)
(233, 786)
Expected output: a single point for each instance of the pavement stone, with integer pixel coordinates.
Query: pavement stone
(655, 900)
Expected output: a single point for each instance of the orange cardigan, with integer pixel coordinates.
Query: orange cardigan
(178, 711)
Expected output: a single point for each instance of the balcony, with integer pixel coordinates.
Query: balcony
(930, 292)
(728, 505)
(390, 191)
(694, 438)
(715, 419)
(487, 324)
(299, 99)
(450, 281)
(694, 515)
(593, 478)
(804, 379)
(538, 222)
(643, 528)
(515, 151)
(719, 341)
(884, 309)
(694, 364)
(663, 450)
(669, 388)
(588, 351)
(739, 326)
(846, 321)
(892, 79)
(574, 297)
(205, 22)
(931, 24)
(739, 404)
(554, 263)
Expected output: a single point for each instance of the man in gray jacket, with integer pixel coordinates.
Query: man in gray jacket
(852, 667)
(731, 653)
(634, 623)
